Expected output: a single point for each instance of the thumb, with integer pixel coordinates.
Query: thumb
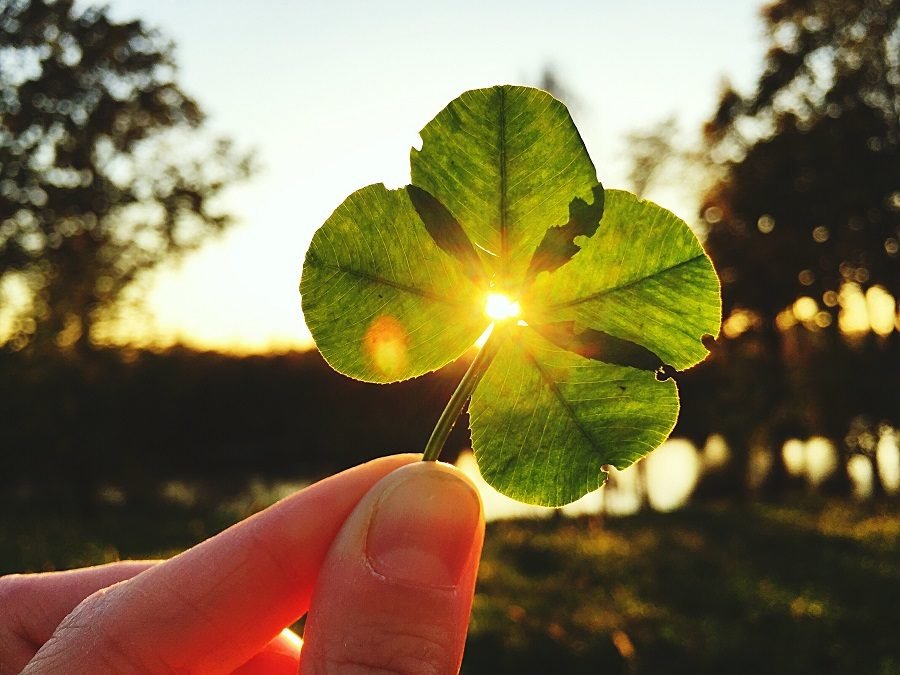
(395, 591)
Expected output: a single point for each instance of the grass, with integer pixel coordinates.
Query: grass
(759, 589)
(810, 587)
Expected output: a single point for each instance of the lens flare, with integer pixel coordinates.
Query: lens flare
(385, 342)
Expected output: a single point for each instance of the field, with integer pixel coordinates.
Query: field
(813, 587)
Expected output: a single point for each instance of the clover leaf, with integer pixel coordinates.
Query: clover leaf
(613, 294)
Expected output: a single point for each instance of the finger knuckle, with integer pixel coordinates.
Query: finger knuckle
(13, 588)
(15, 643)
(380, 649)
(103, 643)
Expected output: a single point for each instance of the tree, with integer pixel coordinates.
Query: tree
(808, 202)
(102, 175)
(650, 151)
(551, 82)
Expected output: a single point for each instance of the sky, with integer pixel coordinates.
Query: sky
(331, 96)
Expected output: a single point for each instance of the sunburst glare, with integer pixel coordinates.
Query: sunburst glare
(500, 307)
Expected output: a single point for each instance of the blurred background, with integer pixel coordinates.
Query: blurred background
(163, 165)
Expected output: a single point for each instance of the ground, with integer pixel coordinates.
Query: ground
(810, 587)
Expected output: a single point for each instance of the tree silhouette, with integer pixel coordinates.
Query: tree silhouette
(807, 204)
(650, 151)
(102, 177)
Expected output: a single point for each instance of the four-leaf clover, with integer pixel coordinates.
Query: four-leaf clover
(613, 294)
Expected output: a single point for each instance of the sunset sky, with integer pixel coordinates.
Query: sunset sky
(332, 95)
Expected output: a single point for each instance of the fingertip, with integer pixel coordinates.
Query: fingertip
(422, 526)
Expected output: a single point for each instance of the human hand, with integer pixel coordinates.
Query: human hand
(383, 557)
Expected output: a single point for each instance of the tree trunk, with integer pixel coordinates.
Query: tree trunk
(730, 481)
(839, 484)
(643, 492)
(878, 490)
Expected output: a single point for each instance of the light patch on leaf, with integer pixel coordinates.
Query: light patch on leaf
(386, 345)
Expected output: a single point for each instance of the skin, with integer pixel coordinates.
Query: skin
(383, 557)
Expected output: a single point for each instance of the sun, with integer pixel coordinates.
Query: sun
(499, 307)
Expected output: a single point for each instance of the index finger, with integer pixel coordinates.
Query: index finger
(34, 604)
(214, 606)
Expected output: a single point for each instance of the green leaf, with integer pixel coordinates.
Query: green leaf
(507, 162)
(558, 245)
(447, 233)
(615, 293)
(642, 277)
(382, 300)
(544, 420)
(595, 344)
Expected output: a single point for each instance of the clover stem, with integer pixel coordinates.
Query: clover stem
(464, 390)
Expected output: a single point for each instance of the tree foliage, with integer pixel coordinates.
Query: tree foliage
(650, 151)
(807, 206)
(810, 197)
(102, 177)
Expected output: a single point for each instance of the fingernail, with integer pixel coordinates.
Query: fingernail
(423, 527)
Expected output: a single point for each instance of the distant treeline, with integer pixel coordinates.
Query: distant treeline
(133, 420)
(136, 419)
